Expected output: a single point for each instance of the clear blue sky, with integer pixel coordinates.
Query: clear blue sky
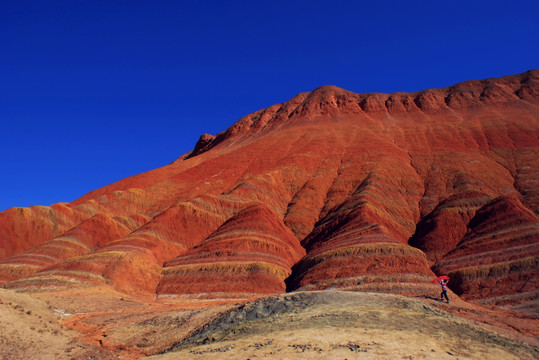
(94, 91)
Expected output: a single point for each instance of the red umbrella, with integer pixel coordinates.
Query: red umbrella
(443, 277)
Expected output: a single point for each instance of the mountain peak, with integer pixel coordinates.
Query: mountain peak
(332, 103)
(330, 90)
(329, 190)
(353, 179)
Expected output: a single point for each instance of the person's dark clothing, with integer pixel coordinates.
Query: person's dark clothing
(443, 283)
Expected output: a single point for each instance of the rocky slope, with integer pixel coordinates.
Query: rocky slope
(344, 325)
(331, 189)
(100, 323)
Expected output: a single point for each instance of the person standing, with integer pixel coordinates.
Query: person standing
(443, 282)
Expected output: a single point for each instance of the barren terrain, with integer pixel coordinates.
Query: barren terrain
(102, 324)
(333, 210)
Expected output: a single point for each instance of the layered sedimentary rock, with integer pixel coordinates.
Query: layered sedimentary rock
(130, 263)
(331, 189)
(91, 234)
(497, 260)
(252, 252)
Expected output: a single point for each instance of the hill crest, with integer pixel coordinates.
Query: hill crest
(331, 189)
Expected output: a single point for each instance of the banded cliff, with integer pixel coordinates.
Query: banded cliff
(332, 189)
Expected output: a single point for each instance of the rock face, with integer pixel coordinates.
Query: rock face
(497, 260)
(251, 252)
(332, 189)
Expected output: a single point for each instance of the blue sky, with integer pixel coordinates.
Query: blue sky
(95, 91)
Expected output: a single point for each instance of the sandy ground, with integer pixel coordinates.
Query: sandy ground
(104, 324)
(30, 329)
(344, 325)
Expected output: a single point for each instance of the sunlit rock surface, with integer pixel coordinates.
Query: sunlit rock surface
(332, 189)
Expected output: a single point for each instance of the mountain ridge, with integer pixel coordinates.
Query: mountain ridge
(373, 192)
(457, 96)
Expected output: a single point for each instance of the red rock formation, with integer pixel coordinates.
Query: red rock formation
(381, 190)
(498, 258)
(131, 263)
(91, 234)
(251, 253)
(22, 228)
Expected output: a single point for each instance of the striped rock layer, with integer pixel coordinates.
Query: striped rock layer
(332, 189)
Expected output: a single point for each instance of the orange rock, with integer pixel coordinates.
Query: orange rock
(251, 253)
(330, 189)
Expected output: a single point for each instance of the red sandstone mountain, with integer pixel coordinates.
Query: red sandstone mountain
(331, 189)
